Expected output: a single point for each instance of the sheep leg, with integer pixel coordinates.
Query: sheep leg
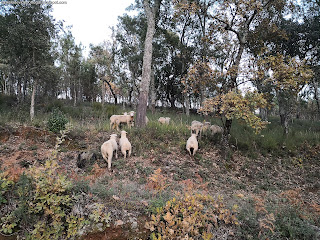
(129, 154)
(188, 149)
(104, 157)
(124, 152)
(109, 161)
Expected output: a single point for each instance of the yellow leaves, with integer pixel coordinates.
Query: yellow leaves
(266, 220)
(157, 181)
(207, 236)
(187, 216)
(287, 74)
(266, 223)
(240, 195)
(201, 76)
(168, 217)
(234, 105)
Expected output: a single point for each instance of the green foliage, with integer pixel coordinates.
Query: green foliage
(81, 186)
(233, 105)
(97, 107)
(8, 223)
(43, 203)
(55, 104)
(156, 203)
(157, 136)
(52, 202)
(273, 221)
(290, 225)
(99, 215)
(57, 121)
(5, 185)
(7, 101)
(190, 215)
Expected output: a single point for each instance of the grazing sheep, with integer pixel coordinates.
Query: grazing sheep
(116, 120)
(131, 113)
(196, 127)
(164, 120)
(216, 129)
(192, 144)
(107, 149)
(124, 144)
(206, 126)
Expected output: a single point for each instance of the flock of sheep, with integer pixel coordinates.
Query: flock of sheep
(111, 146)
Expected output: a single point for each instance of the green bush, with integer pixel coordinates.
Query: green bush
(7, 101)
(97, 107)
(55, 104)
(290, 225)
(288, 222)
(57, 121)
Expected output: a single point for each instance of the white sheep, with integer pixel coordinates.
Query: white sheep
(196, 127)
(216, 129)
(206, 126)
(192, 144)
(107, 149)
(116, 120)
(124, 144)
(164, 120)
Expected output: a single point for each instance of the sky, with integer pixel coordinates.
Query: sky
(90, 19)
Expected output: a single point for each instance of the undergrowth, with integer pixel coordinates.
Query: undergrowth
(38, 204)
(95, 117)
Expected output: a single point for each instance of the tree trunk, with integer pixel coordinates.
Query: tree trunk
(19, 90)
(103, 92)
(172, 100)
(285, 105)
(187, 104)
(147, 60)
(284, 120)
(152, 92)
(235, 67)
(74, 95)
(316, 95)
(105, 79)
(264, 114)
(225, 147)
(33, 95)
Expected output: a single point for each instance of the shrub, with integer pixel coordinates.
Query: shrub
(7, 101)
(5, 185)
(53, 203)
(191, 215)
(290, 225)
(57, 121)
(275, 221)
(40, 204)
(53, 105)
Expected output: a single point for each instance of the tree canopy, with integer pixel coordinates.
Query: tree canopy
(204, 55)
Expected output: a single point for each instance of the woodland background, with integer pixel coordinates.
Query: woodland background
(251, 67)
